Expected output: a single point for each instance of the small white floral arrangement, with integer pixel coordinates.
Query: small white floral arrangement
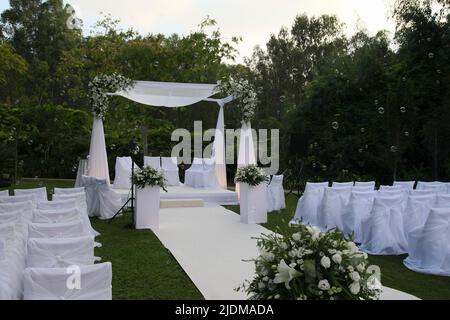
(244, 94)
(313, 265)
(103, 84)
(148, 177)
(251, 175)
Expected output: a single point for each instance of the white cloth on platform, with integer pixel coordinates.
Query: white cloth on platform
(309, 202)
(40, 193)
(329, 214)
(60, 252)
(102, 201)
(429, 249)
(383, 232)
(122, 180)
(416, 212)
(51, 283)
(275, 194)
(202, 174)
(170, 170)
(154, 162)
(408, 185)
(357, 210)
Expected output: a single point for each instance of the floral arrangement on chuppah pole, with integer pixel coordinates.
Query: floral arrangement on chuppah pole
(310, 264)
(148, 182)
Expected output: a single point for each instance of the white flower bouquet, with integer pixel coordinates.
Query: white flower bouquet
(251, 175)
(103, 84)
(310, 264)
(148, 177)
(244, 94)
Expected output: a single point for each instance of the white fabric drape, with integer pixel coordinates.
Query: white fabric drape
(219, 149)
(168, 94)
(246, 155)
(98, 159)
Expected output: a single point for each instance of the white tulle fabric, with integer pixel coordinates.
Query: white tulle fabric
(202, 174)
(275, 194)
(102, 201)
(122, 180)
(358, 210)
(365, 184)
(154, 162)
(383, 232)
(429, 249)
(60, 253)
(416, 212)
(170, 170)
(408, 185)
(71, 229)
(329, 214)
(309, 203)
(40, 193)
(51, 284)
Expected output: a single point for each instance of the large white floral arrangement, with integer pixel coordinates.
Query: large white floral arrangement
(310, 264)
(251, 175)
(244, 94)
(103, 84)
(148, 176)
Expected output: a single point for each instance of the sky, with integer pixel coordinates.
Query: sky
(253, 20)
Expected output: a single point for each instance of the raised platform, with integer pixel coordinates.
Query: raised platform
(219, 195)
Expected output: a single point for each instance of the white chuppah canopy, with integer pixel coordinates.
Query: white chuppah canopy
(169, 94)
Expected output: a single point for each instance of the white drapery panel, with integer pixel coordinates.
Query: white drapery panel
(219, 149)
(246, 155)
(98, 159)
(168, 94)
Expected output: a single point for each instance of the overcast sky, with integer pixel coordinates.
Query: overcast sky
(253, 20)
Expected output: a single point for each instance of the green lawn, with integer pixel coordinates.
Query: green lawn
(144, 269)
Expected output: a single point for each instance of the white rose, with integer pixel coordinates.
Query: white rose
(296, 236)
(360, 267)
(352, 248)
(337, 258)
(354, 288)
(325, 262)
(355, 276)
(323, 285)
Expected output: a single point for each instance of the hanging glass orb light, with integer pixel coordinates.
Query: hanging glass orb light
(282, 99)
(360, 89)
(376, 102)
(324, 168)
(404, 79)
(363, 130)
(360, 150)
(366, 146)
(381, 110)
(403, 109)
(438, 71)
(314, 165)
(335, 125)
(406, 134)
(429, 39)
(394, 149)
(316, 144)
(431, 55)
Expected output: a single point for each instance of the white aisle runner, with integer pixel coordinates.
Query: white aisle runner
(210, 243)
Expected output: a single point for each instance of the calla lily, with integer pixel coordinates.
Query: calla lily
(285, 274)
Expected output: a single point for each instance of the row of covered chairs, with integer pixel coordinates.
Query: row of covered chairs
(168, 166)
(43, 243)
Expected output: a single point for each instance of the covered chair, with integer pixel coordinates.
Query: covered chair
(408, 185)
(438, 188)
(365, 184)
(56, 216)
(4, 193)
(71, 229)
(275, 194)
(421, 185)
(383, 232)
(51, 283)
(442, 201)
(69, 190)
(416, 212)
(154, 162)
(40, 193)
(102, 201)
(357, 210)
(309, 203)
(20, 199)
(342, 184)
(329, 214)
(26, 208)
(202, 174)
(122, 180)
(429, 250)
(170, 170)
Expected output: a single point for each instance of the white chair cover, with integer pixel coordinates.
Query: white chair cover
(316, 185)
(11, 265)
(363, 188)
(72, 229)
(275, 194)
(421, 185)
(342, 184)
(416, 212)
(383, 232)
(102, 201)
(25, 207)
(51, 284)
(41, 193)
(122, 180)
(421, 192)
(329, 214)
(391, 188)
(170, 170)
(56, 216)
(202, 174)
(442, 201)
(408, 185)
(60, 191)
(358, 210)
(80, 199)
(365, 184)
(309, 202)
(60, 252)
(23, 198)
(438, 188)
(429, 250)
(11, 217)
(154, 162)
(4, 193)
